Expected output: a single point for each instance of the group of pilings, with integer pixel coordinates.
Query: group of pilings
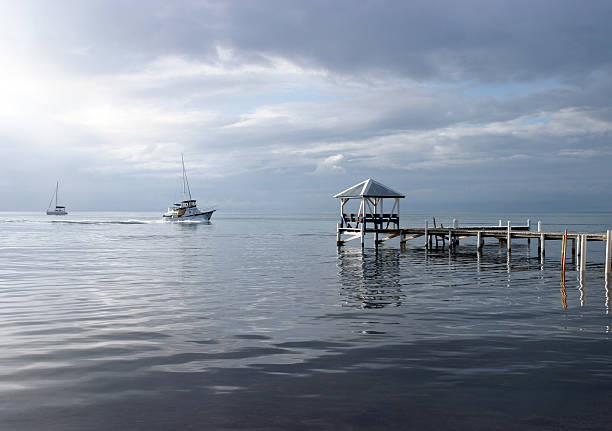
(503, 233)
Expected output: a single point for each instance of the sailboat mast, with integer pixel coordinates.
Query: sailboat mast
(56, 188)
(52, 196)
(183, 161)
(185, 181)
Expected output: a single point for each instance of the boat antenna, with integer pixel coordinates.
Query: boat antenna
(185, 180)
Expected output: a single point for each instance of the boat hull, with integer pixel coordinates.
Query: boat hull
(49, 212)
(200, 217)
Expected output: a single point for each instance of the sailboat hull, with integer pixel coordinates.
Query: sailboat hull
(57, 212)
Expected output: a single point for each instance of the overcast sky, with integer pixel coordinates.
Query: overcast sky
(280, 104)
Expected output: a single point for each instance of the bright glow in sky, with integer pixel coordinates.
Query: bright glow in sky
(283, 103)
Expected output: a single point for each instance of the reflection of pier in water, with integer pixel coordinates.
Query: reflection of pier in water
(370, 280)
(377, 278)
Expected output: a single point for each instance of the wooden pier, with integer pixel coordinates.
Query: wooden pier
(371, 219)
(450, 237)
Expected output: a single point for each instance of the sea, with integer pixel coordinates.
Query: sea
(258, 321)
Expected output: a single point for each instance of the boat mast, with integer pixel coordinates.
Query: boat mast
(56, 188)
(185, 181)
(52, 196)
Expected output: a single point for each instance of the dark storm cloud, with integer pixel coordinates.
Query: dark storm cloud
(485, 41)
(433, 40)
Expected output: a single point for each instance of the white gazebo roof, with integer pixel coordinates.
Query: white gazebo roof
(369, 188)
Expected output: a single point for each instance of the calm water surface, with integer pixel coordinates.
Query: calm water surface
(257, 321)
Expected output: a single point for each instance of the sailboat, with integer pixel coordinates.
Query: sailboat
(59, 210)
(187, 210)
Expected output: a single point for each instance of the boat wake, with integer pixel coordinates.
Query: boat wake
(130, 221)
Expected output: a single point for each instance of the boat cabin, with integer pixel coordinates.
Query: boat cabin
(191, 203)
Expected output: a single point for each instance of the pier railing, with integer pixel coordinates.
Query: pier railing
(378, 220)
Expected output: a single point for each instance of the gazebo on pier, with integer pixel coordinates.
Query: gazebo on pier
(371, 216)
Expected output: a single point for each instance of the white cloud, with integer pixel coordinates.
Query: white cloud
(331, 164)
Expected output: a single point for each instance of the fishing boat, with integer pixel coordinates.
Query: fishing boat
(186, 210)
(59, 210)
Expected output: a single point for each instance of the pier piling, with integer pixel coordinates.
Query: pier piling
(528, 228)
(578, 250)
(583, 253)
(563, 255)
(362, 235)
(608, 252)
(509, 237)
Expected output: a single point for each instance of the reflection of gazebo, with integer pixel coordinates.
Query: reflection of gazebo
(371, 215)
(370, 280)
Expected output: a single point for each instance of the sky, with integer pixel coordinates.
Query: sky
(460, 105)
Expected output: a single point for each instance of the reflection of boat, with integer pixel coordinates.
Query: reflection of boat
(59, 210)
(187, 210)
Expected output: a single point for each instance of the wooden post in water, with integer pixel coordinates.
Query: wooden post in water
(509, 240)
(583, 254)
(542, 246)
(455, 237)
(540, 240)
(363, 233)
(451, 244)
(608, 252)
(528, 228)
(443, 237)
(479, 241)
(563, 255)
(573, 249)
(426, 235)
(339, 235)
(435, 227)
(578, 247)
